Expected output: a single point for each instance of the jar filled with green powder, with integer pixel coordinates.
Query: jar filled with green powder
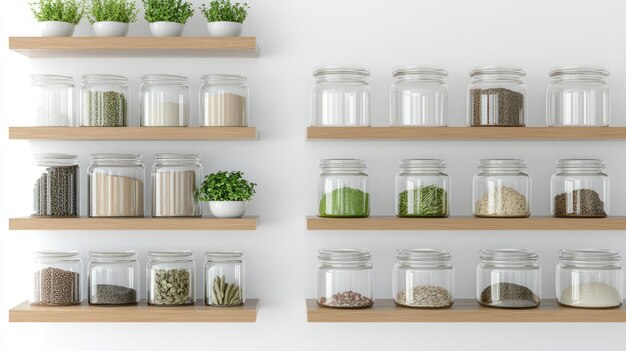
(343, 188)
(422, 189)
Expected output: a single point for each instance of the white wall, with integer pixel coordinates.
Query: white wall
(294, 37)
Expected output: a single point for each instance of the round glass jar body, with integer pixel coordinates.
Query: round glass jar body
(56, 185)
(164, 100)
(103, 101)
(343, 188)
(345, 278)
(53, 101)
(223, 101)
(175, 178)
(508, 278)
(113, 278)
(341, 97)
(170, 278)
(580, 188)
(590, 278)
(224, 278)
(116, 185)
(56, 279)
(501, 189)
(422, 189)
(419, 97)
(497, 97)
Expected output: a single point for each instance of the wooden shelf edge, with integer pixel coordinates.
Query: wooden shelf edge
(133, 133)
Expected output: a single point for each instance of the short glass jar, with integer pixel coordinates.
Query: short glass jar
(501, 189)
(104, 101)
(590, 278)
(578, 96)
(340, 97)
(115, 185)
(343, 188)
(164, 100)
(508, 278)
(580, 188)
(419, 97)
(422, 189)
(345, 278)
(56, 185)
(223, 101)
(224, 278)
(423, 278)
(53, 100)
(56, 279)
(175, 178)
(497, 97)
(171, 278)
(113, 278)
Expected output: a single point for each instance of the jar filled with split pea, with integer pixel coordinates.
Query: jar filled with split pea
(56, 185)
(104, 101)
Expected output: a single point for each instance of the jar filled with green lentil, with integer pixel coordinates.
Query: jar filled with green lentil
(55, 185)
(104, 101)
(422, 189)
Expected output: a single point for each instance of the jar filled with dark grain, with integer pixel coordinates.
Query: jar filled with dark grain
(55, 188)
(113, 278)
(580, 188)
(56, 279)
(497, 97)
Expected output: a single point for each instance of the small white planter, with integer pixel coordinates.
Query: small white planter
(227, 209)
(224, 29)
(167, 29)
(110, 29)
(56, 29)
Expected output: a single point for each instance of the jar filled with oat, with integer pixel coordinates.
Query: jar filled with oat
(56, 279)
(174, 181)
(223, 101)
(345, 278)
(497, 97)
(164, 100)
(170, 277)
(423, 278)
(115, 185)
(501, 189)
(580, 188)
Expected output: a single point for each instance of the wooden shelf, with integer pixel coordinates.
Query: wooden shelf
(145, 223)
(141, 313)
(463, 311)
(37, 47)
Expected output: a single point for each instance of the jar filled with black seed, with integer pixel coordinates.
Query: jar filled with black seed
(113, 278)
(224, 278)
(497, 97)
(56, 279)
(580, 188)
(171, 278)
(423, 278)
(55, 188)
(345, 278)
(104, 101)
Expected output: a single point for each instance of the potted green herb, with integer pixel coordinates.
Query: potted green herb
(111, 18)
(58, 18)
(167, 18)
(225, 19)
(227, 193)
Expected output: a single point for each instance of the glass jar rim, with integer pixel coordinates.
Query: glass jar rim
(344, 255)
(224, 256)
(210, 78)
(115, 157)
(508, 255)
(498, 70)
(170, 254)
(113, 255)
(342, 163)
(579, 70)
(422, 163)
(589, 256)
(176, 157)
(341, 70)
(51, 79)
(495, 163)
(57, 255)
(424, 255)
(42, 157)
(580, 163)
(108, 78)
(420, 70)
(164, 78)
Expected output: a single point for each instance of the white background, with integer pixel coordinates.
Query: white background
(294, 37)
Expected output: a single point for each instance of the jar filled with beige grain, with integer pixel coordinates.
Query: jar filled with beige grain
(223, 101)
(115, 185)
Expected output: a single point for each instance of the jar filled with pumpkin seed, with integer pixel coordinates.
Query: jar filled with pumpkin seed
(103, 101)
(170, 278)
(224, 278)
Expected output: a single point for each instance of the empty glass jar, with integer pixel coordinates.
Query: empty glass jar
(56, 280)
(170, 278)
(501, 189)
(104, 101)
(341, 97)
(223, 101)
(115, 185)
(580, 188)
(345, 278)
(423, 278)
(343, 188)
(56, 185)
(53, 100)
(422, 189)
(419, 96)
(497, 97)
(164, 100)
(175, 178)
(113, 278)
(224, 278)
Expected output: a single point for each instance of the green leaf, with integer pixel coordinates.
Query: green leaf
(223, 10)
(225, 186)
(167, 11)
(70, 11)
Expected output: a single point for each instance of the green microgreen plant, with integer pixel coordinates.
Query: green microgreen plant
(113, 10)
(225, 186)
(70, 11)
(167, 11)
(224, 10)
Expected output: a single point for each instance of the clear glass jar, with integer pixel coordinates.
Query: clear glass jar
(578, 96)
(422, 189)
(171, 278)
(175, 178)
(423, 278)
(341, 97)
(345, 278)
(164, 100)
(223, 101)
(590, 278)
(104, 101)
(497, 97)
(56, 185)
(53, 100)
(501, 189)
(113, 278)
(56, 279)
(224, 278)
(580, 188)
(115, 185)
(508, 278)
(419, 97)
(343, 188)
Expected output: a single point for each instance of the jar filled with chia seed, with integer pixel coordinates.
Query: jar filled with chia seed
(56, 279)
(497, 97)
(170, 278)
(343, 188)
(164, 100)
(224, 278)
(104, 101)
(53, 101)
(113, 278)
(174, 181)
(345, 278)
(223, 101)
(419, 96)
(56, 187)
(423, 278)
(340, 97)
(501, 189)
(422, 189)
(580, 188)
(508, 278)
(115, 185)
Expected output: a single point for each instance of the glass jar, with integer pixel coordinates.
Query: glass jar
(116, 185)
(343, 188)
(497, 97)
(223, 101)
(422, 189)
(341, 97)
(578, 96)
(56, 280)
(53, 100)
(501, 189)
(56, 188)
(113, 278)
(580, 188)
(175, 178)
(419, 97)
(224, 278)
(104, 101)
(345, 278)
(171, 278)
(423, 278)
(164, 100)
(590, 278)
(508, 278)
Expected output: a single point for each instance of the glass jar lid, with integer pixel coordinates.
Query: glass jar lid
(424, 258)
(509, 257)
(51, 80)
(579, 71)
(184, 255)
(425, 71)
(224, 79)
(224, 256)
(580, 165)
(164, 79)
(497, 71)
(51, 160)
(501, 165)
(176, 158)
(115, 159)
(56, 256)
(590, 258)
(349, 165)
(113, 256)
(341, 72)
(346, 258)
(422, 165)
(110, 79)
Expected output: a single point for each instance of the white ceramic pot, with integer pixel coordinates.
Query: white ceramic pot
(167, 29)
(224, 29)
(227, 209)
(110, 29)
(56, 29)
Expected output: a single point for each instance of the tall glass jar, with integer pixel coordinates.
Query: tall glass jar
(223, 101)
(113, 278)
(580, 188)
(55, 185)
(164, 100)
(508, 278)
(343, 188)
(501, 189)
(419, 96)
(423, 278)
(341, 97)
(171, 278)
(116, 185)
(578, 96)
(497, 97)
(104, 101)
(590, 278)
(56, 279)
(175, 178)
(53, 100)
(345, 278)
(422, 189)
(224, 278)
